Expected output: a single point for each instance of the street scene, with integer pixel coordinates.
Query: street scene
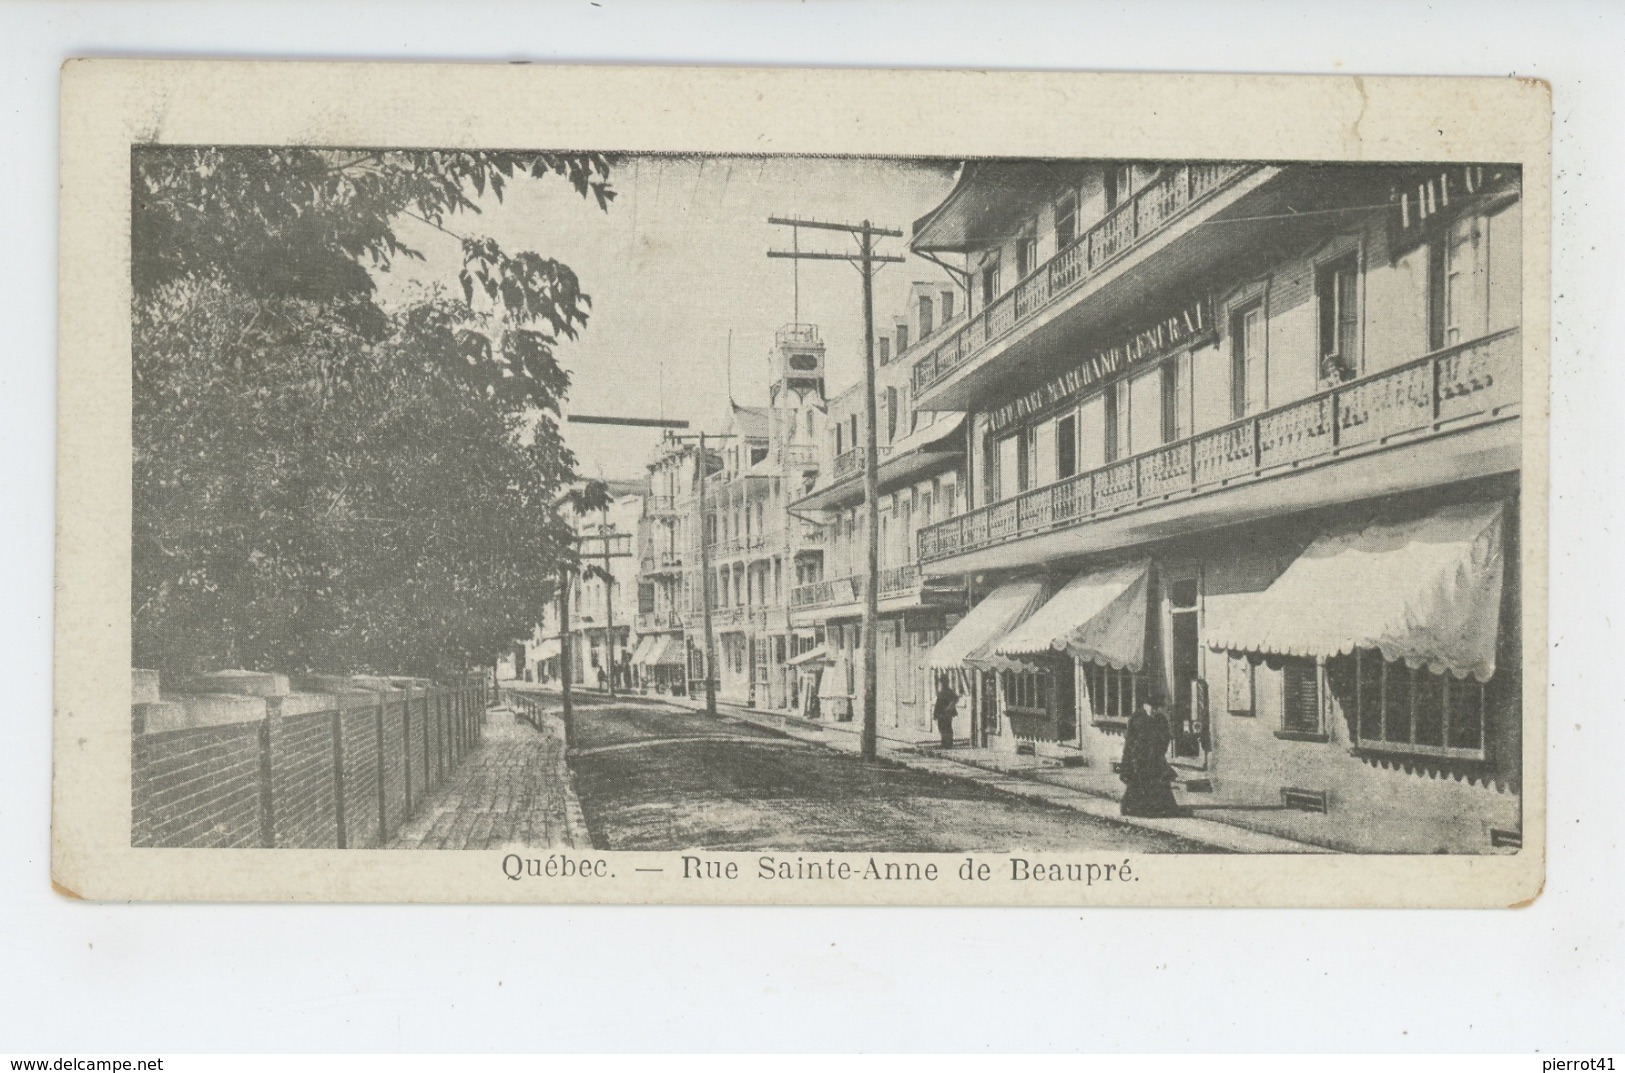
(653, 502)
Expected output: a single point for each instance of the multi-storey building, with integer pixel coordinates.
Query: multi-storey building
(666, 553)
(919, 456)
(754, 547)
(1243, 442)
(603, 623)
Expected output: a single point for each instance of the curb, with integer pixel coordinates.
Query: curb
(1213, 833)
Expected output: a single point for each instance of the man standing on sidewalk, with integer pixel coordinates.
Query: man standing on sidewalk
(946, 707)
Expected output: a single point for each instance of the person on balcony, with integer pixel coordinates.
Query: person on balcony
(947, 706)
(1144, 770)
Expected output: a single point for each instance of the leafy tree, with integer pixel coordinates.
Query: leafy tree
(321, 483)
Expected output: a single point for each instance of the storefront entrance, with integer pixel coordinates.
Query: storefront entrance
(1188, 711)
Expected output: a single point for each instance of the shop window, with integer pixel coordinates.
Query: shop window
(1337, 297)
(1397, 709)
(1027, 691)
(1113, 694)
(1300, 700)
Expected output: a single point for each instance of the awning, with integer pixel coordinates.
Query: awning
(1098, 616)
(658, 651)
(832, 686)
(1426, 590)
(971, 641)
(548, 649)
(667, 651)
(814, 655)
(646, 646)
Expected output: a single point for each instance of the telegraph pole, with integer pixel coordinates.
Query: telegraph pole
(564, 655)
(609, 602)
(865, 262)
(700, 466)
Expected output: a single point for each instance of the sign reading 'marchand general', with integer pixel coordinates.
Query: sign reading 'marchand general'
(1166, 335)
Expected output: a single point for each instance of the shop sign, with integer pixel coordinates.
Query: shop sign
(1161, 338)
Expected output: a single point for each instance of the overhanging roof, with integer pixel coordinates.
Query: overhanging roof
(931, 449)
(987, 202)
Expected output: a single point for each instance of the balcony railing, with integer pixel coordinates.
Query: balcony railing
(849, 462)
(660, 620)
(797, 335)
(894, 581)
(1164, 200)
(665, 562)
(1472, 380)
(799, 454)
(659, 504)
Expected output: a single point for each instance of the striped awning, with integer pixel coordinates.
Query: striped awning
(970, 643)
(1422, 589)
(646, 646)
(1098, 617)
(668, 651)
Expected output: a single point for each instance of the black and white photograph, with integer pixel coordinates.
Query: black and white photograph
(1160, 505)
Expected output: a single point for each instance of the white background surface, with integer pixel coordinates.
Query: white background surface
(154, 978)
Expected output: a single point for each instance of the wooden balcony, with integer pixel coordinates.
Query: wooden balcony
(901, 587)
(850, 462)
(657, 621)
(666, 562)
(1165, 200)
(1411, 407)
(659, 506)
(800, 455)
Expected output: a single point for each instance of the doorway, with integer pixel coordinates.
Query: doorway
(1189, 708)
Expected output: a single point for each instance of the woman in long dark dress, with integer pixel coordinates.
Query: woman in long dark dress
(1145, 769)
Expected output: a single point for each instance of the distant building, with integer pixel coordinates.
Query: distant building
(756, 549)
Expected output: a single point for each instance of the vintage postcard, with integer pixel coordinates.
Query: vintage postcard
(506, 484)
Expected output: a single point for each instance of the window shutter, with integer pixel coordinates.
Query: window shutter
(1239, 685)
(1300, 708)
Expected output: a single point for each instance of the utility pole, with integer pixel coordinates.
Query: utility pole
(609, 579)
(865, 262)
(564, 654)
(609, 601)
(700, 466)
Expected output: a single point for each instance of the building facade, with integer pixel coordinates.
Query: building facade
(920, 456)
(1242, 441)
(753, 546)
(603, 605)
